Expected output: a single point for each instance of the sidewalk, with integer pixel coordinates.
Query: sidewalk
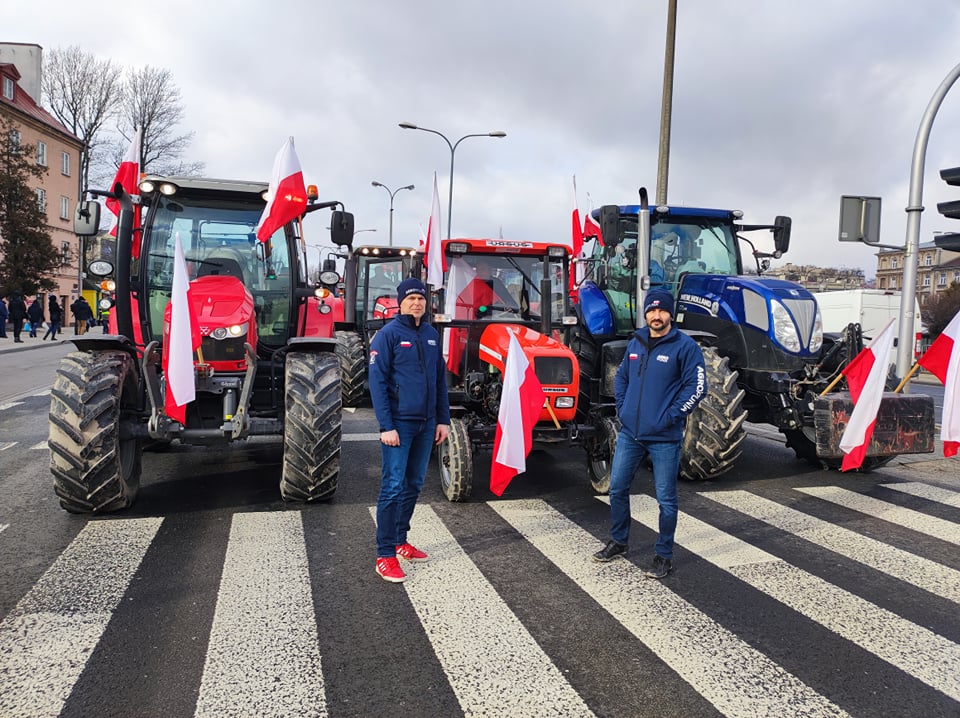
(8, 346)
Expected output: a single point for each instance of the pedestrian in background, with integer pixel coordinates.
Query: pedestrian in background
(4, 315)
(408, 386)
(55, 312)
(17, 309)
(35, 314)
(658, 384)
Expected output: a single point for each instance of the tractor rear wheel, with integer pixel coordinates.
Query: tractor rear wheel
(456, 462)
(353, 367)
(312, 427)
(600, 454)
(94, 460)
(714, 432)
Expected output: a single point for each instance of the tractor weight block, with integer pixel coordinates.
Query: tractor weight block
(905, 424)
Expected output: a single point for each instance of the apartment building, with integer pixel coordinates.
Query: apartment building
(937, 270)
(56, 148)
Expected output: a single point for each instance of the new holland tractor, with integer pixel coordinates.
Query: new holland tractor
(266, 363)
(766, 355)
(493, 287)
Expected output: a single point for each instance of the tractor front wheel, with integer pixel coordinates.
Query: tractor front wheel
(456, 462)
(600, 454)
(353, 367)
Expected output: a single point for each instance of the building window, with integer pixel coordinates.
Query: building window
(65, 253)
(956, 276)
(14, 141)
(893, 282)
(942, 279)
(42, 199)
(65, 163)
(42, 154)
(927, 260)
(8, 86)
(894, 262)
(64, 207)
(883, 283)
(926, 281)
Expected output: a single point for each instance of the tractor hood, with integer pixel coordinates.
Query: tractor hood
(220, 301)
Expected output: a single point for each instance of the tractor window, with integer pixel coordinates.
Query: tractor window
(677, 249)
(379, 301)
(495, 287)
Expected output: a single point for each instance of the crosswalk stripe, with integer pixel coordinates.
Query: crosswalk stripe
(42, 445)
(9, 405)
(925, 491)
(706, 655)
(908, 518)
(911, 648)
(472, 631)
(921, 572)
(46, 639)
(4, 445)
(263, 657)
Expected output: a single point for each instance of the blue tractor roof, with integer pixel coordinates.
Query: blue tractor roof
(726, 214)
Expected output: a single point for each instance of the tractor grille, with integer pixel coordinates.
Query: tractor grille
(553, 370)
(230, 349)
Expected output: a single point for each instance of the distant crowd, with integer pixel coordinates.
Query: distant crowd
(30, 315)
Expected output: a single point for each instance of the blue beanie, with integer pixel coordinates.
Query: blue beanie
(411, 285)
(658, 299)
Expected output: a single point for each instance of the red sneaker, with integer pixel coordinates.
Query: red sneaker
(411, 553)
(389, 570)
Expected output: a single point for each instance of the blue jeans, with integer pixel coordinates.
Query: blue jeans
(403, 470)
(627, 458)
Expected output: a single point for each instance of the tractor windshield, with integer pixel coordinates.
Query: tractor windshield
(490, 287)
(218, 238)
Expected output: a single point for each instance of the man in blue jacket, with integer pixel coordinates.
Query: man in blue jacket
(660, 381)
(408, 386)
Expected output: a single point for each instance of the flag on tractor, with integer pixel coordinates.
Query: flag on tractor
(434, 259)
(128, 177)
(942, 360)
(182, 338)
(287, 196)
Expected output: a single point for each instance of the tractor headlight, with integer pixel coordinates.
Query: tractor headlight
(234, 330)
(323, 308)
(564, 402)
(816, 336)
(784, 330)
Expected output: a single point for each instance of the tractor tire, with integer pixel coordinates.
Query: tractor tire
(353, 367)
(587, 352)
(312, 427)
(804, 445)
(456, 462)
(714, 433)
(600, 454)
(95, 468)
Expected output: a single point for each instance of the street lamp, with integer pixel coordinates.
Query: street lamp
(392, 193)
(453, 149)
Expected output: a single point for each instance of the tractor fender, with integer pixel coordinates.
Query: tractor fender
(312, 344)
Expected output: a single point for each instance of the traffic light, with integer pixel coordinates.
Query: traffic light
(950, 210)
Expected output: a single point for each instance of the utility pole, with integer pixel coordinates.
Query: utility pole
(666, 104)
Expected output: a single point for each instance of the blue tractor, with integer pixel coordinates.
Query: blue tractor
(766, 355)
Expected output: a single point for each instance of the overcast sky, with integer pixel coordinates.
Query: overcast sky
(779, 107)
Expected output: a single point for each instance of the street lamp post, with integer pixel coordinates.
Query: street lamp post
(391, 193)
(453, 149)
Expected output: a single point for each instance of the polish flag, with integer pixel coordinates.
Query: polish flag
(591, 228)
(942, 360)
(287, 194)
(128, 176)
(433, 257)
(183, 338)
(520, 404)
(577, 241)
(866, 376)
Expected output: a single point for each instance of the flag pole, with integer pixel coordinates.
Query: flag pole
(832, 384)
(910, 373)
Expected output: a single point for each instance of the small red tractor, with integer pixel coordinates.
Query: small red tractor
(266, 365)
(492, 287)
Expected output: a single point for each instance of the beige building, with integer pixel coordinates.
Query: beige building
(57, 149)
(818, 279)
(937, 270)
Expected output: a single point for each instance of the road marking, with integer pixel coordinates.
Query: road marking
(360, 437)
(908, 518)
(10, 405)
(921, 572)
(46, 639)
(4, 445)
(263, 656)
(925, 491)
(4, 527)
(901, 643)
(733, 676)
(473, 631)
(40, 445)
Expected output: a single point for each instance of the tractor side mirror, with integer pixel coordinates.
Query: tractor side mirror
(781, 233)
(610, 225)
(86, 221)
(341, 228)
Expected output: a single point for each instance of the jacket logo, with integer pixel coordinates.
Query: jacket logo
(432, 342)
(406, 344)
(663, 358)
(373, 357)
(633, 355)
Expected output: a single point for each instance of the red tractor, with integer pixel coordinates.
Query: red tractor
(266, 365)
(492, 287)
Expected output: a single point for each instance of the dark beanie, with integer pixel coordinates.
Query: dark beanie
(658, 299)
(410, 285)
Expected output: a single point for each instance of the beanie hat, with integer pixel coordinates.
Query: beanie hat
(658, 299)
(411, 285)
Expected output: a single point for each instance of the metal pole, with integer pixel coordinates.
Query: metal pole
(392, 194)
(390, 236)
(666, 104)
(908, 293)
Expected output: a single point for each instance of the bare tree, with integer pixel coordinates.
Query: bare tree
(82, 92)
(151, 100)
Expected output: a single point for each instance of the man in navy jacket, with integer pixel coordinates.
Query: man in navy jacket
(408, 386)
(659, 383)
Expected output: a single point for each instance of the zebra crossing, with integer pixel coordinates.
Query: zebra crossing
(267, 648)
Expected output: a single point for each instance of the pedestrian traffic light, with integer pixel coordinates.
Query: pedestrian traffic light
(950, 240)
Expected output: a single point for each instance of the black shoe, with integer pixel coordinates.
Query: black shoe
(659, 568)
(610, 551)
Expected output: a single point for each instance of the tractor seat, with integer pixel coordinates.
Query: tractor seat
(220, 266)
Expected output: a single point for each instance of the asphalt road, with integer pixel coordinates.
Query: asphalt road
(796, 591)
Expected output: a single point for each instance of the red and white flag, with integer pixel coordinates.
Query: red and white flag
(433, 258)
(287, 196)
(577, 239)
(183, 338)
(866, 376)
(942, 360)
(520, 404)
(128, 176)
(591, 228)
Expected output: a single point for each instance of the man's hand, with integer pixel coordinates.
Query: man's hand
(390, 438)
(441, 434)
